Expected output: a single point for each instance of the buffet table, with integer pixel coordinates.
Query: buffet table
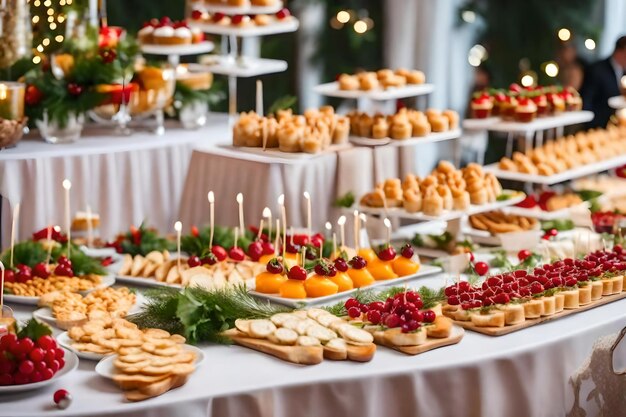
(121, 178)
(515, 372)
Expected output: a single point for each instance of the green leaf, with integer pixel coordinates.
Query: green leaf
(34, 330)
(283, 103)
(347, 200)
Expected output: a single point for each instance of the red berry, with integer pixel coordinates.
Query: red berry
(41, 270)
(20, 379)
(236, 254)
(358, 263)
(268, 248)
(219, 252)
(64, 271)
(47, 374)
(6, 379)
(387, 254)
(54, 365)
(297, 272)
(255, 250)
(60, 395)
(536, 288)
(64, 261)
(6, 341)
(36, 376)
(196, 14)
(59, 353)
(14, 347)
(7, 366)
(61, 363)
(74, 89)
(481, 268)
(351, 302)
(429, 316)
(218, 16)
(523, 255)
(317, 240)
(33, 95)
(37, 355)
(9, 275)
(283, 13)
(46, 342)
(552, 232)
(194, 261)
(412, 296)
(354, 312)
(373, 316)
(236, 19)
(27, 367)
(50, 356)
(417, 315)
(274, 266)
(165, 21)
(40, 366)
(26, 345)
(392, 320)
(341, 264)
(320, 269)
(377, 305)
(453, 300)
(501, 298)
(407, 251)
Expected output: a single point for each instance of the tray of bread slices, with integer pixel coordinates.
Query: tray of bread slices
(305, 337)
(447, 193)
(401, 323)
(516, 300)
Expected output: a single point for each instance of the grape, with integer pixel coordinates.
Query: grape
(6, 341)
(20, 379)
(41, 366)
(46, 342)
(61, 363)
(6, 379)
(27, 367)
(14, 347)
(36, 377)
(60, 354)
(37, 354)
(50, 356)
(26, 345)
(6, 366)
(47, 374)
(54, 365)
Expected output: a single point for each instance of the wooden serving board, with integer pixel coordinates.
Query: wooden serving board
(431, 343)
(499, 331)
(302, 355)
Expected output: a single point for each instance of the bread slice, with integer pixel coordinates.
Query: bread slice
(549, 305)
(336, 349)
(395, 337)
(597, 288)
(491, 319)
(607, 286)
(618, 284)
(462, 315)
(560, 302)
(571, 299)
(437, 309)
(584, 294)
(513, 314)
(533, 309)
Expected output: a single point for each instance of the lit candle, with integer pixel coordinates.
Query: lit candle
(89, 227)
(356, 230)
(277, 237)
(267, 213)
(16, 214)
(283, 213)
(178, 226)
(211, 198)
(240, 203)
(342, 233)
(1, 288)
(67, 185)
(259, 97)
(388, 226)
(307, 197)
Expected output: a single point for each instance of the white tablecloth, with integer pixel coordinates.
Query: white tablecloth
(526, 373)
(124, 179)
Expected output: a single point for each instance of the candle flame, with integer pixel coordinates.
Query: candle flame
(67, 184)
(387, 223)
(356, 213)
(329, 226)
(211, 197)
(281, 199)
(267, 212)
(306, 195)
(3, 91)
(239, 198)
(341, 221)
(178, 226)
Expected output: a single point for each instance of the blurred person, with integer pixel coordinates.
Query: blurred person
(571, 66)
(601, 82)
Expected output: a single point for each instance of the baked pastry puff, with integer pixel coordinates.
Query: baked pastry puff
(380, 129)
(411, 182)
(348, 82)
(432, 204)
(393, 192)
(460, 199)
(412, 200)
(342, 130)
(446, 196)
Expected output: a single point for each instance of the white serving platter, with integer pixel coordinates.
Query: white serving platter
(570, 174)
(71, 363)
(275, 153)
(410, 90)
(425, 270)
(430, 138)
(446, 215)
(186, 49)
(243, 67)
(288, 26)
(248, 8)
(107, 281)
(496, 124)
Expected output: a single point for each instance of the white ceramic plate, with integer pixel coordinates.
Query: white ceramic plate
(425, 270)
(106, 369)
(71, 362)
(45, 313)
(107, 281)
(144, 282)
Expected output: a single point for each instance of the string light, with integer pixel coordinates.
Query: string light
(35, 19)
(360, 27)
(564, 34)
(36, 60)
(527, 80)
(40, 48)
(46, 42)
(343, 16)
(551, 69)
(468, 16)
(590, 44)
(59, 38)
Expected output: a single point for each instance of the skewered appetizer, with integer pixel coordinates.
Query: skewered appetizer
(404, 124)
(381, 79)
(312, 132)
(241, 20)
(168, 32)
(446, 188)
(242, 3)
(568, 152)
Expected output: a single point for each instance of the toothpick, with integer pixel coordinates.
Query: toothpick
(307, 197)
(67, 185)
(342, 233)
(236, 236)
(258, 236)
(334, 244)
(303, 256)
(49, 242)
(283, 213)
(89, 227)
(291, 235)
(267, 213)
(211, 198)
(16, 214)
(277, 237)
(388, 226)
(178, 226)
(242, 226)
(356, 230)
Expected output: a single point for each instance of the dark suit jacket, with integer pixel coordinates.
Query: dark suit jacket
(599, 85)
